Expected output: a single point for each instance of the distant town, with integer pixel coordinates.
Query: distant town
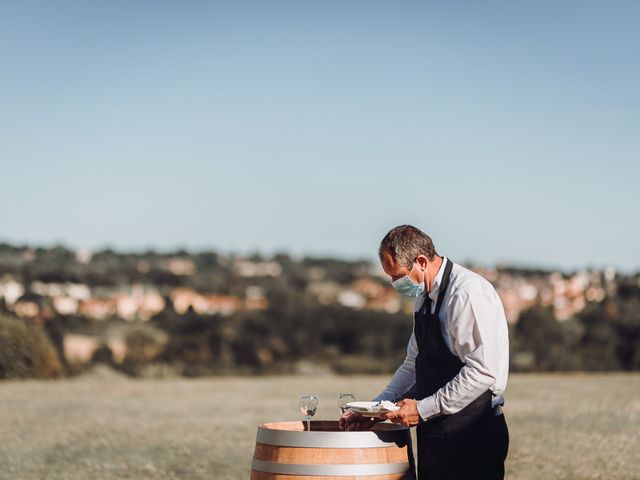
(94, 301)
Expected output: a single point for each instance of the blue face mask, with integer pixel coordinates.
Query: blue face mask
(406, 287)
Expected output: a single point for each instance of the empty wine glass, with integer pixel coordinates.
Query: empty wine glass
(308, 407)
(343, 399)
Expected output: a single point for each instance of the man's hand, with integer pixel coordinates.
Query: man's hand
(352, 421)
(407, 415)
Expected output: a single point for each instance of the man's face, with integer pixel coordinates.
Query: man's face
(397, 271)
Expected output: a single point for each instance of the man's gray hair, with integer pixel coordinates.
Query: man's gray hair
(404, 243)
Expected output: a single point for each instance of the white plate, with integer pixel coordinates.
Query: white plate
(372, 409)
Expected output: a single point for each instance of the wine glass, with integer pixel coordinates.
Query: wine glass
(343, 399)
(308, 407)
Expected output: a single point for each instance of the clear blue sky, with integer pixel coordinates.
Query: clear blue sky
(509, 131)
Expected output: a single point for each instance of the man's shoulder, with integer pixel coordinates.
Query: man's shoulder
(468, 282)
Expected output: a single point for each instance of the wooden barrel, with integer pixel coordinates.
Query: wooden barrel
(285, 451)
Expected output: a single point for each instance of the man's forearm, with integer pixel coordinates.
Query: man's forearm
(402, 382)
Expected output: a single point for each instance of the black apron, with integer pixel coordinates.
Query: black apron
(470, 444)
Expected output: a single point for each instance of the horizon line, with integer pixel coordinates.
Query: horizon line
(294, 254)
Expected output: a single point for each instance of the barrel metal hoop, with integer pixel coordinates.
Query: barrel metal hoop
(329, 470)
(284, 438)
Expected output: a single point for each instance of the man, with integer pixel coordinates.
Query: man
(456, 365)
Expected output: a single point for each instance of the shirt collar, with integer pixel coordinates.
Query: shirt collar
(435, 286)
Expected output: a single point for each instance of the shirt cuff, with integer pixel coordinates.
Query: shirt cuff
(428, 408)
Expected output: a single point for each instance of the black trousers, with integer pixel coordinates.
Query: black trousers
(478, 453)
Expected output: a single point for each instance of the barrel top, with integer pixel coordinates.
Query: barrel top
(327, 426)
(327, 434)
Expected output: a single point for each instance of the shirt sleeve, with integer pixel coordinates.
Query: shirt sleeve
(404, 378)
(474, 338)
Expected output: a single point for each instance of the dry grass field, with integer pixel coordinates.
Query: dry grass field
(103, 426)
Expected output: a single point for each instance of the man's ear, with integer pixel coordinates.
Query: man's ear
(422, 260)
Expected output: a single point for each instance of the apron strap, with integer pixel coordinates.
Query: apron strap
(445, 283)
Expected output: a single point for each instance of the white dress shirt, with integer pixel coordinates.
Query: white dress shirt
(474, 327)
